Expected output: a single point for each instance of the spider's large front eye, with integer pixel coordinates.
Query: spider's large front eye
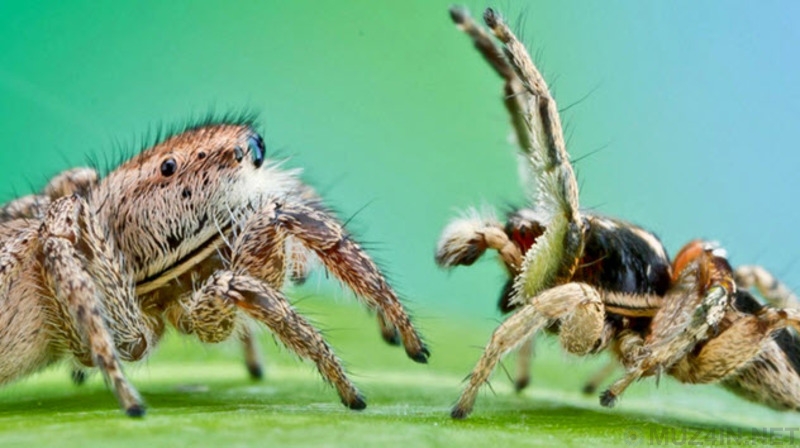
(168, 167)
(257, 149)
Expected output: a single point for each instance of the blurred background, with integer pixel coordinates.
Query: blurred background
(686, 112)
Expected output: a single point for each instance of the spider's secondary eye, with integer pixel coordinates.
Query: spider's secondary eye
(258, 149)
(238, 154)
(168, 167)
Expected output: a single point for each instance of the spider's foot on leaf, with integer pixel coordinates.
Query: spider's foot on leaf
(78, 377)
(421, 356)
(391, 337)
(358, 403)
(256, 371)
(458, 413)
(608, 399)
(135, 411)
(521, 383)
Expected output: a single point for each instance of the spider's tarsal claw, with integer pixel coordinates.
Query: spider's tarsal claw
(135, 411)
(391, 337)
(491, 17)
(458, 14)
(358, 403)
(458, 413)
(521, 383)
(78, 377)
(608, 399)
(421, 356)
(256, 371)
(589, 389)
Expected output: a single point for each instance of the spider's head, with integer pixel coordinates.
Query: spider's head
(175, 199)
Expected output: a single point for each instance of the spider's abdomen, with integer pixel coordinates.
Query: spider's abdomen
(621, 257)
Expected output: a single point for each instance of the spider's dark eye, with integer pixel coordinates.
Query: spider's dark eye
(168, 167)
(258, 149)
(238, 154)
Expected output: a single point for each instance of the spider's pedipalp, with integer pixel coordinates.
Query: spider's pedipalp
(465, 239)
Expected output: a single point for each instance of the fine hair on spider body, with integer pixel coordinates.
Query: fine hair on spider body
(196, 232)
(602, 283)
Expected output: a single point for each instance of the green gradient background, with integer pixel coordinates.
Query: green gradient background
(387, 106)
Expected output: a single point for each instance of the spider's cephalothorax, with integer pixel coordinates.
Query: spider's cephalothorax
(603, 283)
(197, 231)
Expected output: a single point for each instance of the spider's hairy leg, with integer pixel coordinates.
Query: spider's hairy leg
(299, 261)
(577, 305)
(343, 257)
(466, 239)
(252, 353)
(23, 346)
(75, 289)
(72, 181)
(555, 255)
(598, 377)
(29, 206)
(775, 292)
(729, 351)
(524, 356)
(513, 97)
(269, 306)
(773, 376)
(78, 376)
(694, 306)
(302, 258)
(134, 331)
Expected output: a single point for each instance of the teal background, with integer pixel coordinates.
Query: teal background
(694, 106)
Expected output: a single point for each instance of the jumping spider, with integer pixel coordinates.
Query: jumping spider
(604, 283)
(197, 232)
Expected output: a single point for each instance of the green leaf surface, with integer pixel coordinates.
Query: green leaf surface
(201, 396)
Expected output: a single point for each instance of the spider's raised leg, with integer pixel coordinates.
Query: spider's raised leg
(514, 97)
(576, 305)
(537, 125)
(554, 257)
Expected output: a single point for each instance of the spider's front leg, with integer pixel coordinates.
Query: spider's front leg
(212, 316)
(257, 270)
(252, 284)
(79, 293)
(576, 305)
(341, 255)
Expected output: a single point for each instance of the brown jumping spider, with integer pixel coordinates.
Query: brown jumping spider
(197, 231)
(604, 283)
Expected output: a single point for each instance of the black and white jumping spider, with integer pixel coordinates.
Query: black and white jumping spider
(604, 283)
